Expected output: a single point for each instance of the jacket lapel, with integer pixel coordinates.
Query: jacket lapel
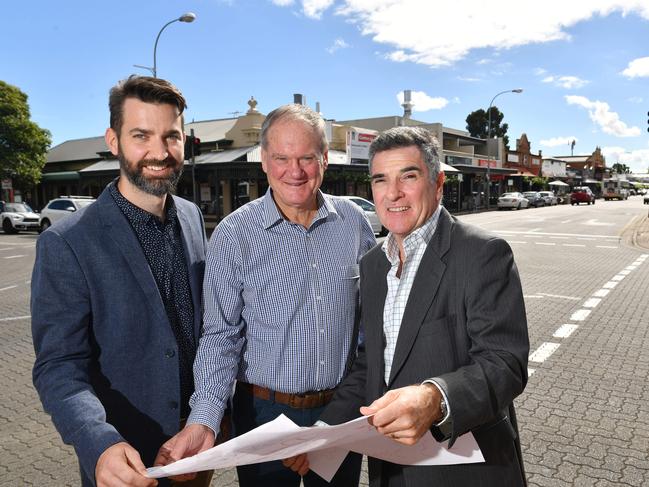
(424, 289)
(119, 231)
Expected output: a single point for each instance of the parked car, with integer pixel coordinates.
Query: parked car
(513, 201)
(645, 199)
(535, 198)
(18, 216)
(582, 194)
(370, 211)
(549, 197)
(61, 207)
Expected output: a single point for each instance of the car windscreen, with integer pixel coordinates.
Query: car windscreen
(17, 208)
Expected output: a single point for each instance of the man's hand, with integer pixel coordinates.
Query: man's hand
(121, 465)
(192, 439)
(299, 464)
(405, 414)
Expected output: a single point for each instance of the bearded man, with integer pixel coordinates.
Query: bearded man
(116, 298)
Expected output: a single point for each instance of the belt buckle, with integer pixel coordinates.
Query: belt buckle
(321, 398)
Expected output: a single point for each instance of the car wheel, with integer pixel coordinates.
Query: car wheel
(8, 227)
(518, 207)
(45, 224)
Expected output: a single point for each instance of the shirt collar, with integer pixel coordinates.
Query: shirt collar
(419, 236)
(272, 215)
(137, 215)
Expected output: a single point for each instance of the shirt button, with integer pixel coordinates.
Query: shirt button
(321, 330)
(318, 298)
(321, 362)
(314, 265)
(169, 353)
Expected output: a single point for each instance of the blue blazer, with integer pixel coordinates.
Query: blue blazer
(106, 363)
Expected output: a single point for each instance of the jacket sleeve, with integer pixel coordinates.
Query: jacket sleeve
(61, 330)
(481, 391)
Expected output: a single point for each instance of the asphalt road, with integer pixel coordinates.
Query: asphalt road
(584, 416)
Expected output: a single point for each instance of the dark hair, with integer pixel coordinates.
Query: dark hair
(295, 112)
(143, 88)
(419, 137)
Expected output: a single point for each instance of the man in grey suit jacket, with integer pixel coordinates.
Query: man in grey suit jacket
(446, 341)
(116, 297)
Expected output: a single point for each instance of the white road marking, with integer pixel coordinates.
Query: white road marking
(559, 296)
(543, 352)
(8, 248)
(14, 256)
(631, 267)
(517, 241)
(532, 297)
(15, 318)
(580, 315)
(566, 221)
(544, 243)
(624, 273)
(585, 238)
(601, 293)
(573, 245)
(8, 287)
(564, 331)
(564, 238)
(592, 302)
(575, 235)
(610, 285)
(606, 246)
(617, 278)
(596, 223)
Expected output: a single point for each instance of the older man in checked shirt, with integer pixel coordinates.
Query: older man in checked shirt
(281, 302)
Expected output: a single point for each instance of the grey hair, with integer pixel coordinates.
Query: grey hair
(295, 112)
(399, 137)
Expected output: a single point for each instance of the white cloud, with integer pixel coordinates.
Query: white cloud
(483, 61)
(314, 8)
(600, 113)
(283, 3)
(467, 78)
(637, 160)
(422, 102)
(557, 141)
(567, 82)
(539, 71)
(635, 99)
(338, 44)
(425, 32)
(638, 68)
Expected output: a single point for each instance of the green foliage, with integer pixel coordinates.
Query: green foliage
(539, 183)
(477, 123)
(23, 144)
(620, 168)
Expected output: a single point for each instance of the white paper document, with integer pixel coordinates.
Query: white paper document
(326, 446)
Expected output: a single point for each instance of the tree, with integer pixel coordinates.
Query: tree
(620, 168)
(477, 122)
(23, 144)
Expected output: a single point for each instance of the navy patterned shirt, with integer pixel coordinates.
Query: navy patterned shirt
(163, 248)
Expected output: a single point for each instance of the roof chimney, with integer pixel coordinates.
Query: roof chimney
(317, 107)
(299, 98)
(407, 105)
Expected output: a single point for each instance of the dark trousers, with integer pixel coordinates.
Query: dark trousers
(248, 412)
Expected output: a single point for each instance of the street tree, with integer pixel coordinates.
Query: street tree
(23, 144)
(477, 124)
(620, 168)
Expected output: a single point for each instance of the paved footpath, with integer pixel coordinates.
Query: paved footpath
(584, 415)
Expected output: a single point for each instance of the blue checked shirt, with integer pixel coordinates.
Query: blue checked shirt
(280, 302)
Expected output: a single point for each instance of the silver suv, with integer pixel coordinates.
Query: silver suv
(61, 207)
(17, 216)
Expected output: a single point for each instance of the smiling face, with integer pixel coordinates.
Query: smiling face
(404, 195)
(149, 147)
(294, 165)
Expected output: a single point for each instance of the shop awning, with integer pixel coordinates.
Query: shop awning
(523, 173)
(60, 176)
(449, 169)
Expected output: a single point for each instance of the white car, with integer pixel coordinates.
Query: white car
(370, 211)
(513, 201)
(18, 216)
(61, 207)
(550, 198)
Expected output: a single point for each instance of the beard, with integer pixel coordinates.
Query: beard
(156, 186)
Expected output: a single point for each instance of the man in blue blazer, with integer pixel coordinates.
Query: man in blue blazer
(116, 297)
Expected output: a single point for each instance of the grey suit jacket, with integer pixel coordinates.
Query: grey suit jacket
(464, 324)
(106, 363)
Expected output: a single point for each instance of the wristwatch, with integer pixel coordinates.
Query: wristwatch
(443, 408)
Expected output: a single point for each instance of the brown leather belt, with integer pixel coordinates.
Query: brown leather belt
(308, 400)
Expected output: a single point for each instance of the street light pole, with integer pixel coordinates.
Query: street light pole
(187, 17)
(516, 90)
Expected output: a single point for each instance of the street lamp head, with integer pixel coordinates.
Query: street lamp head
(187, 17)
(518, 90)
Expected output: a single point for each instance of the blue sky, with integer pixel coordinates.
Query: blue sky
(584, 68)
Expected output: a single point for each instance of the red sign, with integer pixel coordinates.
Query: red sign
(366, 137)
(484, 162)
